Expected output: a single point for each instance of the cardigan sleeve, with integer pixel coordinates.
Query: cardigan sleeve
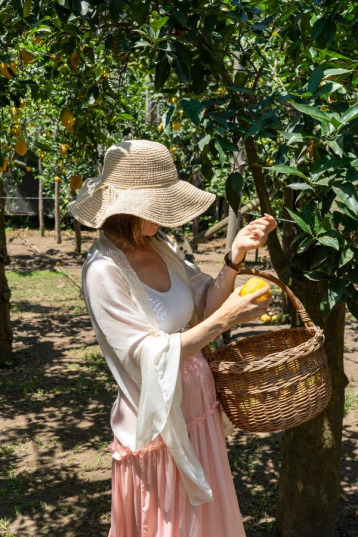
(149, 356)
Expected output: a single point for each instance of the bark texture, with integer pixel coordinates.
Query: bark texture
(5, 325)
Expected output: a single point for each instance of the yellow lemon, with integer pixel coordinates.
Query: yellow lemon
(160, 128)
(276, 318)
(13, 67)
(16, 112)
(16, 131)
(254, 284)
(67, 119)
(27, 57)
(28, 169)
(5, 165)
(173, 150)
(76, 182)
(4, 70)
(21, 147)
(64, 148)
(57, 178)
(266, 318)
(176, 125)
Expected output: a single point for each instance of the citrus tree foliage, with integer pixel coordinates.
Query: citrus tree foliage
(278, 77)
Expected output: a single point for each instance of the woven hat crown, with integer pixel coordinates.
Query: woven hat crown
(139, 164)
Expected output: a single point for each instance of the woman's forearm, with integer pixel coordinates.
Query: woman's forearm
(222, 286)
(194, 339)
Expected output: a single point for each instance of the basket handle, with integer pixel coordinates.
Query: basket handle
(297, 304)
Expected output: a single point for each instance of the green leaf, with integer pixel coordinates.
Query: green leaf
(115, 9)
(328, 89)
(299, 220)
(326, 240)
(335, 146)
(352, 300)
(167, 117)
(333, 295)
(162, 72)
(300, 186)
(311, 111)
(338, 71)
(62, 12)
(350, 114)
(193, 109)
(347, 193)
(220, 149)
(315, 79)
(233, 188)
(346, 256)
(317, 275)
(288, 170)
(305, 244)
(204, 141)
(335, 163)
(27, 8)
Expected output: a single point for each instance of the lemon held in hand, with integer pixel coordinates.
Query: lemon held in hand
(254, 284)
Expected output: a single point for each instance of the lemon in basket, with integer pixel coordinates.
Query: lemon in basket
(254, 284)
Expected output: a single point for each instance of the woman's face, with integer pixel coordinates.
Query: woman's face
(150, 228)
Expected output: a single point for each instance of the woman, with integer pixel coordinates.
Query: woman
(152, 314)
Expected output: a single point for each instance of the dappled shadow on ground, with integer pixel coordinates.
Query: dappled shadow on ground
(255, 460)
(55, 405)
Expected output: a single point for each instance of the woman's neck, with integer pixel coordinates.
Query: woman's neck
(124, 245)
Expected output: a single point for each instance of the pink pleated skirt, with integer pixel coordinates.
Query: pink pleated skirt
(148, 497)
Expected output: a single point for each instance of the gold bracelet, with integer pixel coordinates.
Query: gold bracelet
(233, 265)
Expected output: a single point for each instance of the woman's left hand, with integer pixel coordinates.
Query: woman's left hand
(253, 236)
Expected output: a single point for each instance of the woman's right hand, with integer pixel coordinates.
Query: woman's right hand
(242, 309)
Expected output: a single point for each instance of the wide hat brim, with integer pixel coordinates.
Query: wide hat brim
(168, 206)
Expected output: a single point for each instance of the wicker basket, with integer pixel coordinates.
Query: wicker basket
(273, 381)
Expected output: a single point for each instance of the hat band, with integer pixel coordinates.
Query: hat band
(167, 183)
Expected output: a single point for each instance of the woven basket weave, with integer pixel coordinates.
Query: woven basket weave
(273, 381)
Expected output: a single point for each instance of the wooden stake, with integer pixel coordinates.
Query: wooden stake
(57, 213)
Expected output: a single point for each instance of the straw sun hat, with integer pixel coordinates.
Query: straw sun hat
(139, 178)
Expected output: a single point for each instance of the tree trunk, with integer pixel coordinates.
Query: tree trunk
(76, 227)
(5, 324)
(57, 213)
(309, 484)
(41, 202)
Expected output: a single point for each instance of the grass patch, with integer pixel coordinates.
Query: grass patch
(350, 401)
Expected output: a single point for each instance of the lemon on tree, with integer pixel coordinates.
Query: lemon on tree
(4, 166)
(16, 130)
(176, 125)
(21, 147)
(254, 284)
(75, 182)
(67, 119)
(64, 148)
(4, 70)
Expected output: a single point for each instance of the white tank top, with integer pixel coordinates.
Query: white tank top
(174, 308)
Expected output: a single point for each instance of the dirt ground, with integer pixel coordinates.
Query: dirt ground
(55, 404)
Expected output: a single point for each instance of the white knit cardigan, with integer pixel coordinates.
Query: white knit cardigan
(143, 359)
